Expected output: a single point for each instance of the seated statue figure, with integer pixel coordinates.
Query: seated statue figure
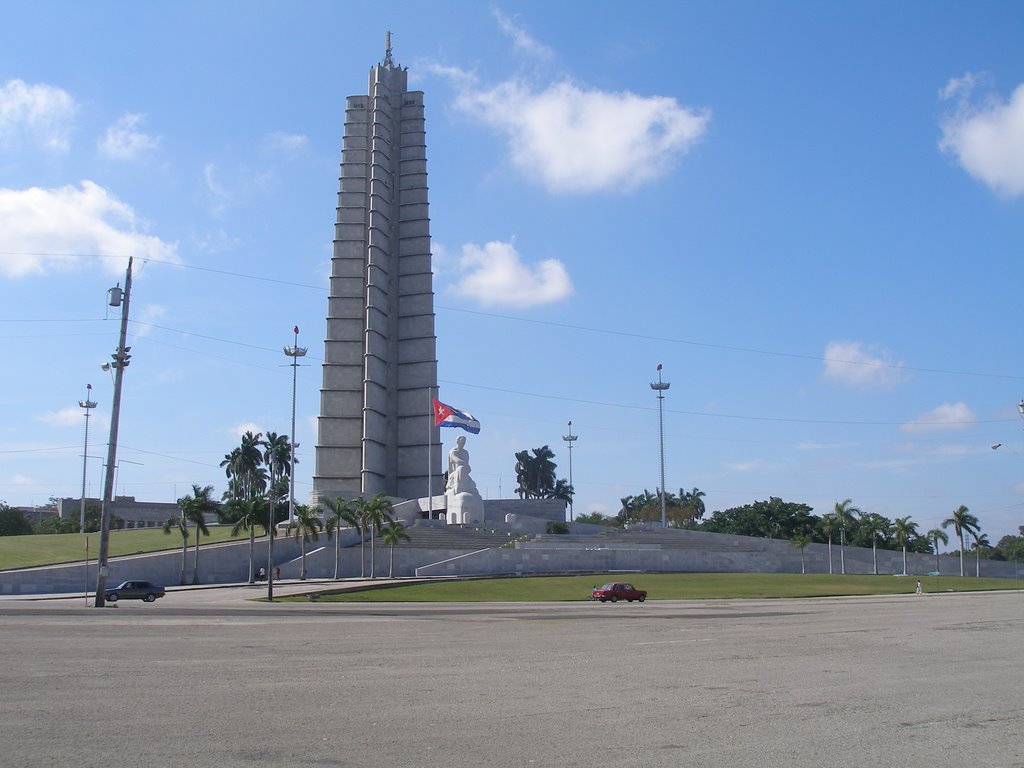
(459, 480)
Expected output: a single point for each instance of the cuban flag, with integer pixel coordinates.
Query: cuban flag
(446, 416)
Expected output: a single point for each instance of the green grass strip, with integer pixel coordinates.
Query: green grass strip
(49, 549)
(661, 586)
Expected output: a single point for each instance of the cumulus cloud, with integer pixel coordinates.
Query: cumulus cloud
(863, 366)
(986, 135)
(944, 417)
(495, 275)
(44, 229)
(573, 139)
(124, 141)
(522, 40)
(39, 114)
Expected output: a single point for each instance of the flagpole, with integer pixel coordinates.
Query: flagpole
(430, 450)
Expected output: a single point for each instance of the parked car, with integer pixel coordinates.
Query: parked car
(618, 590)
(134, 590)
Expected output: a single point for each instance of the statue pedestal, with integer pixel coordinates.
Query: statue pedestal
(465, 509)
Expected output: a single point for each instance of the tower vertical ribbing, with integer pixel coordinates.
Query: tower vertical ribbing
(380, 360)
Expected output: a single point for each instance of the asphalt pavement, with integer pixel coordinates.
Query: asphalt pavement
(210, 677)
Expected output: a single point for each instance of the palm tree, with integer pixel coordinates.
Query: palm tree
(980, 540)
(393, 533)
(344, 511)
(936, 535)
(963, 522)
(844, 512)
(801, 540)
(904, 531)
(194, 509)
(829, 525)
(375, 513)
(872, 525)
(248, 513)
(179, 523)
(305, 526)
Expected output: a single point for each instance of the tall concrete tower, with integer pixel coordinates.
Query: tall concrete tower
(380, 357)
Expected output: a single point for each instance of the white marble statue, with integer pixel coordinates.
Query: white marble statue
(464, 504)
(459, 480)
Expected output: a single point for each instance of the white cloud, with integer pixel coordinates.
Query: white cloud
(857, 365)
(65, 417)
(496, 275)
(746, 466)
(37, 114)
(521, 38)
(573, 139)
(123, 140)
(944, 417)
(151, 313)
(987, 139)
(238, 431)
(285, 143)
(43, 229)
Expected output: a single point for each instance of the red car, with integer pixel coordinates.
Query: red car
(618, 590)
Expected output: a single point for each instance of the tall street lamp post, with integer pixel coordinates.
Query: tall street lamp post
(88, 404)
(569, 440)
(115, 296)
(294, 352)
(660, 387)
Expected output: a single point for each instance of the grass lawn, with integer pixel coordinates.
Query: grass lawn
(27, 551)
(663, 586)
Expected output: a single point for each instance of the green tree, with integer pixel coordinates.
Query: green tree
(980, 541)
(873, 526)
(596, 518)
(342, 511)
(13, 522)
(304, 527)
(1011, 547)
(179, 523)
(243, 467)
(194, 508)
(935, 535)
(801, 540)
(828, 526)
(393, 533)
(686, 508)
(535, 475)
(963, 523)
(904, 532)
(245, 515)
(375, 512)
(845, 514)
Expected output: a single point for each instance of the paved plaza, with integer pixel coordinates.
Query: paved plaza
(208, 678)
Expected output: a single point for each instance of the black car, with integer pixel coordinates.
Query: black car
(134, 590)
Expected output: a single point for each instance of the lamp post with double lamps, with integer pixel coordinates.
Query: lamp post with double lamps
(569, 440)
(88, 404)
(660, 387)
(294, 352)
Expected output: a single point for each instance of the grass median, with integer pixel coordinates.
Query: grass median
(659, 586)
(54, 548)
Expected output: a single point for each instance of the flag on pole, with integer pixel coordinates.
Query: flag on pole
(446, 416)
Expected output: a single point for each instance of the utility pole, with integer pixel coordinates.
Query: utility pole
(121, 359)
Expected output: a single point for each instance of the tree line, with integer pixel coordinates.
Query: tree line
(844, 524)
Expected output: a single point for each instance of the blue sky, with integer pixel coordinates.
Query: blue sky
(812, 215)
